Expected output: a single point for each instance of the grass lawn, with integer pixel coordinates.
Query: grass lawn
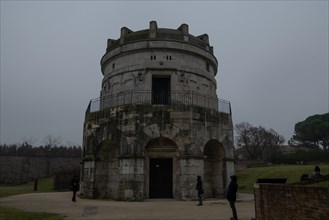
(15, 214)
(44, 185)
(248, 176)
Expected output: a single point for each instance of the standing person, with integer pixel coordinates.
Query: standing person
(231, 195)
(200, 190)
(317, 172)
(75, 186)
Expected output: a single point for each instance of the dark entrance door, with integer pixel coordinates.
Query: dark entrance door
(160, 90)
(161, 178)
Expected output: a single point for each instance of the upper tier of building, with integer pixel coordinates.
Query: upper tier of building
(156, 38)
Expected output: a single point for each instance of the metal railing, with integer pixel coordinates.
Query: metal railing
(159, 98)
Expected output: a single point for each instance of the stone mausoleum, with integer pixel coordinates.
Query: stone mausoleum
(158, 122)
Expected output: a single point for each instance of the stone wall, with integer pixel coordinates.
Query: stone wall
(16, 170)
(187, 61)
(291, 202)
(119, 142)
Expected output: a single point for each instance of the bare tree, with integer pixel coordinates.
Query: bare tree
(28, 141)
(257, 143)
(51, 141)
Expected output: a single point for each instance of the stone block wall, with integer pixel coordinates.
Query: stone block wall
(291, 202)
(119, 143)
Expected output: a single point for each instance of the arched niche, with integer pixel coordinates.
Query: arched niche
(107, 150)
(214, 169)
(90, 146)
(106, 170)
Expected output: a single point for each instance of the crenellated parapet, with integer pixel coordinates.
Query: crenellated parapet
(154, 33)
(160, 38)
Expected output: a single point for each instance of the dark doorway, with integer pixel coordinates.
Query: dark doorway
(160, 90)
(161, 178)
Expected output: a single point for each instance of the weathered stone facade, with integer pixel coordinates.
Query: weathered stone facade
(158, 122)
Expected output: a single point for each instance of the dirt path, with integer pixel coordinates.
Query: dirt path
(60, 203)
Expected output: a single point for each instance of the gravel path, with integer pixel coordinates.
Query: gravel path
(162, 209)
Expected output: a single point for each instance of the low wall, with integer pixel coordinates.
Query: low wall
(291, 202)
(16, 170)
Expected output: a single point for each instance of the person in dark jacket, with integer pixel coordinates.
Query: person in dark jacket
(75, 187)
(199, 188)
(317, 172)
(231, 195)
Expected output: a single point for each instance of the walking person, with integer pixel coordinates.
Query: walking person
(199, 189)
(231, 195)
(75, 187)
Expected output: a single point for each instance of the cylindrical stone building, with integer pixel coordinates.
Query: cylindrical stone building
(158, 122)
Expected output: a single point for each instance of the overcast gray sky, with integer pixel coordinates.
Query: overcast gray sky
(273, 59)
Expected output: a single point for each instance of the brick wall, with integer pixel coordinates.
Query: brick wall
(291, 202)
